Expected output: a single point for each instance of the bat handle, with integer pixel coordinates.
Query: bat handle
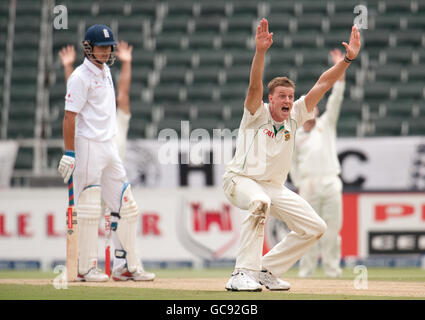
(71, 191)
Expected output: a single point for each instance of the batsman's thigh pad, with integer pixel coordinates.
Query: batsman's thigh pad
(127, 228)
(88, 215)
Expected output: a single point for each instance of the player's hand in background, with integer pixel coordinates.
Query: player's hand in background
(67, 55)
(67, 165)
(336, 56)
(263, 39)
(353, 47)
(124, 51)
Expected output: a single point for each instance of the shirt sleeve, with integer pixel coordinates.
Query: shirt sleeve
(248, 118)
(300, 112)
(76, 94)
(333, 106)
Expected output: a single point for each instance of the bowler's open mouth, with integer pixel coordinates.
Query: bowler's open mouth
(285, 109)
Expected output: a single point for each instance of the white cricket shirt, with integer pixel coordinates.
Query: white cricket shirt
(91, 94)
(315, 151)
(263, 150)
(123, 123)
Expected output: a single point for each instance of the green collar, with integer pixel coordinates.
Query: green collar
(277, 130)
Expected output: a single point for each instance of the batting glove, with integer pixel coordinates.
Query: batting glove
(67, 165)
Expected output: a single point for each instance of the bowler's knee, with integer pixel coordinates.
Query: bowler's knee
(320, 228)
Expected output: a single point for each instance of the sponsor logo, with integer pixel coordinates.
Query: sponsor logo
(208, 231)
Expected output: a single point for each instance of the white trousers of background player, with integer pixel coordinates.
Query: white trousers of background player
(96, 163)
(305, 225)
(324, 193)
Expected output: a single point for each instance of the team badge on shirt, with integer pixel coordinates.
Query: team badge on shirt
(287, 135)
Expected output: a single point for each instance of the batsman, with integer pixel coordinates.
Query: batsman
(92, 158)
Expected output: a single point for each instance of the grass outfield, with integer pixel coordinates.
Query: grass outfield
(48, 292)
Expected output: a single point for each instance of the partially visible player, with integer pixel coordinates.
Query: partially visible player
(91, 156)
(254, 179)
(315, 173)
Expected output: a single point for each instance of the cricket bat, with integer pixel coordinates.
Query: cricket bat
(108, 244)
(71, 236)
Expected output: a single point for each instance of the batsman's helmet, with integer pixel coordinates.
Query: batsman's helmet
(99, 35)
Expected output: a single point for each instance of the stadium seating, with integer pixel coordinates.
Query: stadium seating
(191, 60)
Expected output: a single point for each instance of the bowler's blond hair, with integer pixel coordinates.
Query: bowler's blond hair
(280, 82)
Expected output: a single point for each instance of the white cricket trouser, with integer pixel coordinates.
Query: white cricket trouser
(324, 193)
(98, 163)
(305, 225)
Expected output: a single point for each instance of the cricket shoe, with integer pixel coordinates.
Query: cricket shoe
(94, 275)
(140, 274)
(271, 282)
(242, 280)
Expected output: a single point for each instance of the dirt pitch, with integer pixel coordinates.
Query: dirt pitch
(299, 286)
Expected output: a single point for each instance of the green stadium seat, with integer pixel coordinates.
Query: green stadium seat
(144, 8)
(210, 110)
(238, 75)
(140, 74)
(232, 92)
(415, 21)
(142, 110)
(377, 90)
(180, 8)
(166, 93)
(283, 7)
(22, 110)
(206, 75)
(24, 159)
(416, 72)
(397, 55)
(416, 126)
(387, 127)
(137, 128)
(310, 22)
(200, 42)
(180, 58)
(316, 57)
(235, 40)
(401, 108)
(410, 37)
(351, 109)
(279, 22)
(142, 58)
(375, 38)
(176, 111)
(385, 73)
(309, 72)
(347, 127)
(173, 75)
(304, 39)
(170, 124)
(165, 42)
(210, 58)
(311, 6)
(241, 23)
(206, 124)
(341, 22)
(20, 128)
(200, 93)
(213, 8)
(394, 6)
(411, 90)
(242, 8)
(241, 57)
(208, 24)
(333, 39)
(387, 22)
(174, 24)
